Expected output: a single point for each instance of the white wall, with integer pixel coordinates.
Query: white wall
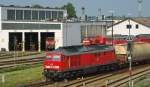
(4, 13)
(0, 18)
(4, 36)
(68, 35)
(122, 29)
(72, 29)
(71, 34)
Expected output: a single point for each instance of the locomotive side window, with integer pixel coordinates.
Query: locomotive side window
(49, 57)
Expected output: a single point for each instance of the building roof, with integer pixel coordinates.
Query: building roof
(30, 7)
(142, 20)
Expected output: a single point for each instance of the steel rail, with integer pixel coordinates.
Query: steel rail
(91, 80)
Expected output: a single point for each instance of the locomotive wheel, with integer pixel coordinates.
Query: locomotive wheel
(47, 79)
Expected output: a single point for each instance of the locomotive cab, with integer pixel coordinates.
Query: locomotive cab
(53, 62)
(53, 66)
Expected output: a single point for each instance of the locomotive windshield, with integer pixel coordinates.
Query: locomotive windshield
(54, 58)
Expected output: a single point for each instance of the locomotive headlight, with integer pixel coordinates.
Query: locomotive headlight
(57, 67)
(54, 67)
(47, 67)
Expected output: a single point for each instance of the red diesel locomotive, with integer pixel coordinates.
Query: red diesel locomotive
(93, 56)
(66, 62)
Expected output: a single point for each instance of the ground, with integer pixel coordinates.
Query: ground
(19, 77)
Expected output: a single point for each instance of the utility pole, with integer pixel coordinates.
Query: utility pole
(65, 15)
(112, 28)
(112, 20)
(99, 14)
(140, 7)
(130, 55)
(83, 14)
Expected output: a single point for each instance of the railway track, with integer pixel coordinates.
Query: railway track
(37, 84)
(14, 62)
(9, 55)
(125, 79)
(114, 80)
(97, 80)
(11, 59)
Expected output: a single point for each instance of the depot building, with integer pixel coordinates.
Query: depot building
(26, 29)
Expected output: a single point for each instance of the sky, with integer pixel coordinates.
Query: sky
(119, 7)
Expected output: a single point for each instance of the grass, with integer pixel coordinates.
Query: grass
(143, 83)
(19, 77)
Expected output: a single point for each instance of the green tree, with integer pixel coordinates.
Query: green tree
(70, 10)
(37, 6)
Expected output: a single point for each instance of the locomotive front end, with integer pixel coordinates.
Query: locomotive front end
(53, 66)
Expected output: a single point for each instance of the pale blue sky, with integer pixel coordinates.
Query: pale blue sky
(120, 7)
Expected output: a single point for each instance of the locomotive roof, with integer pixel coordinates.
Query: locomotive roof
(74, 50)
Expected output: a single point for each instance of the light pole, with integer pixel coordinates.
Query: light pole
(65, 16)
(112, 28)
(140, 7)
(112, 20)
(129, 54)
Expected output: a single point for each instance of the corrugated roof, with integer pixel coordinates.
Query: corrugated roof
(144, 21)
(141, 20)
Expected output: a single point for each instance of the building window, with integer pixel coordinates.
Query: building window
(48, 15)
(19, 15)
(60, 14)
(136, 26)
(30, 26)
(12, 26)
(50, 26)
(20, 26)
(92, 30)
(10, 14)
(129, 26)
(41, 15)
(54, 14)
(27, 14)
(34, 15)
